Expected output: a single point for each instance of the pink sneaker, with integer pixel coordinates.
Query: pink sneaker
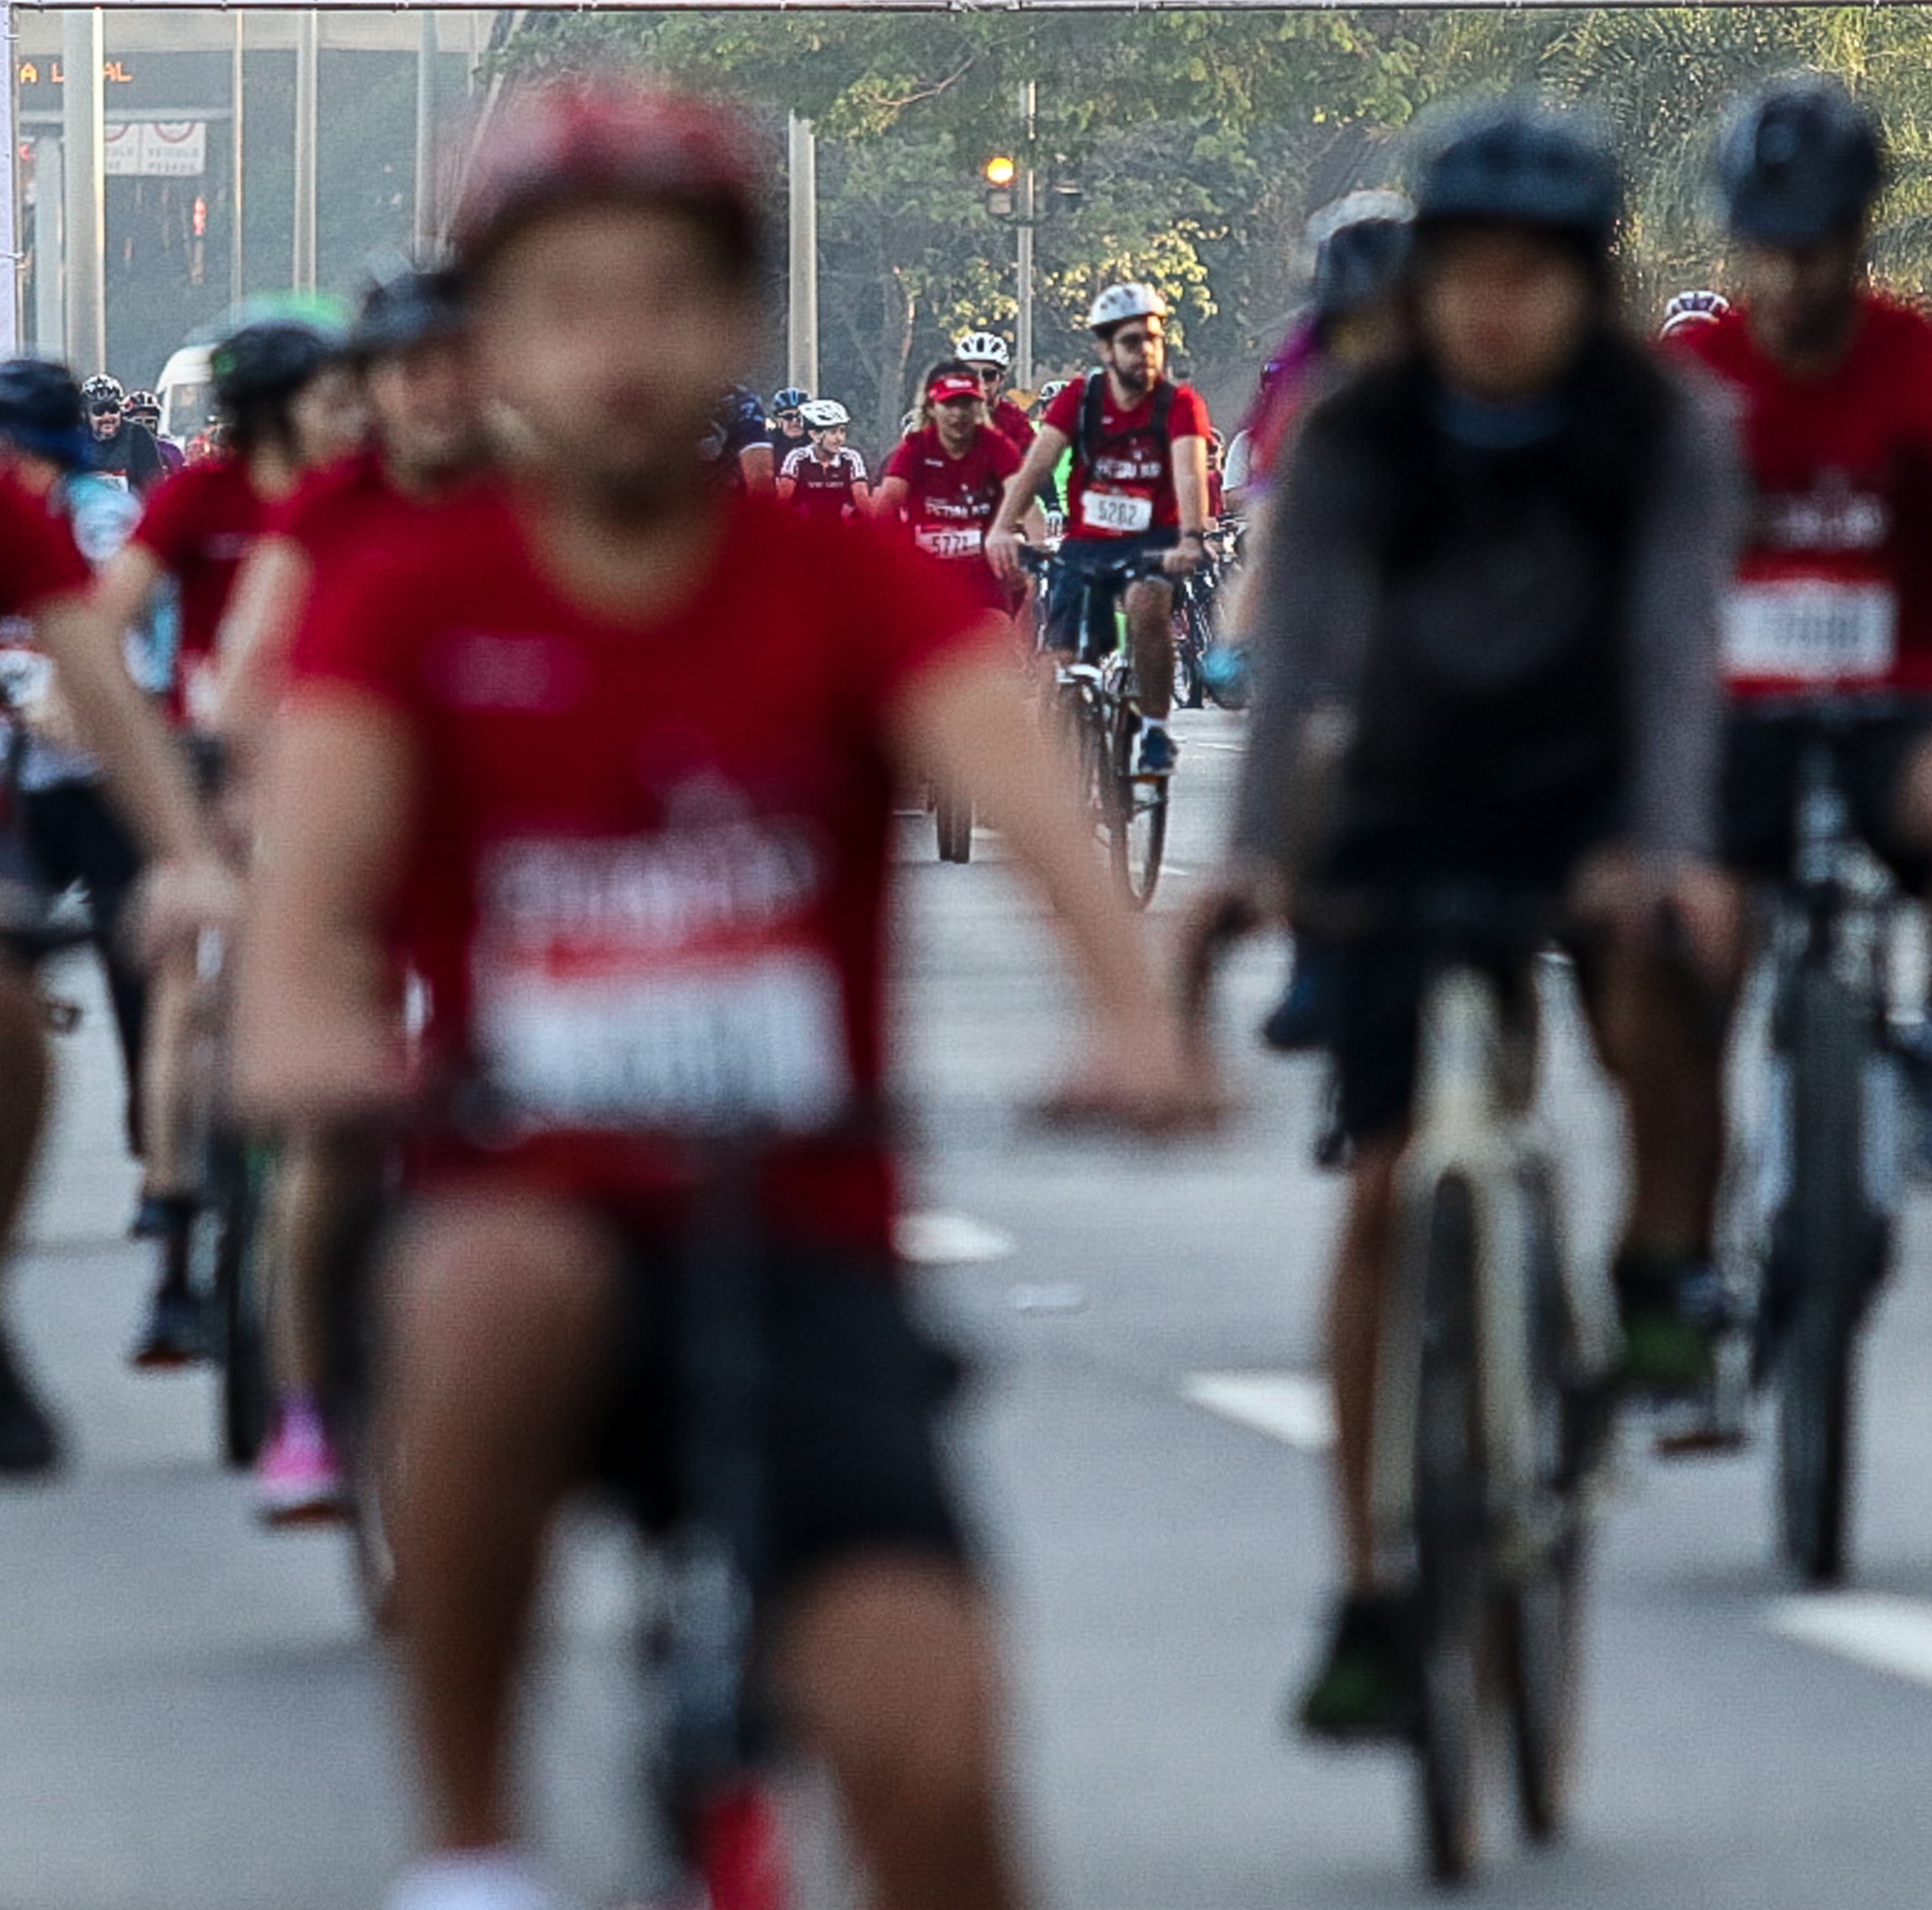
(298, 1477)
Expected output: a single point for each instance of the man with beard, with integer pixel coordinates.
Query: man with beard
(1139, 483)
(122, 448)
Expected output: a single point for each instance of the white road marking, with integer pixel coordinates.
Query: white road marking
(1881, 1632)
(950, 1240)
(1296, 1408)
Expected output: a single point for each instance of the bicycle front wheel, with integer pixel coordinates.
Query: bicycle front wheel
(1453, 1616)
(1825, 1243)
(234, 1216)
(1137, 827)
(953, 815)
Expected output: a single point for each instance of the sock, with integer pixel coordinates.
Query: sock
(1149, 725)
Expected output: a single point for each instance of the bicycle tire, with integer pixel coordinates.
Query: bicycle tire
(1825, 1226)
(1453, 1613)
(1188, 645)
(1137, 832)
(238, 1206)
(1544, 1611)
(953, 816)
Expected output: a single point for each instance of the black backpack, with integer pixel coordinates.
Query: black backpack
(1086, 445)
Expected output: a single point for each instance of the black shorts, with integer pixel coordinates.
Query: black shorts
(853, 1394)
(1760, 788)
(1077, 560)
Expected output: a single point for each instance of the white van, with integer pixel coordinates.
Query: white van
(187, 393)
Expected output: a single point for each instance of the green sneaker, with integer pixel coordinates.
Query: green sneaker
(1671, 1309)
(1369, 1687)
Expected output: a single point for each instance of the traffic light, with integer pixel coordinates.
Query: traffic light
(999, 172)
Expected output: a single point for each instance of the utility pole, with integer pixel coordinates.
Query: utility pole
(237, 277)
(83, 110)
(802, 169)
(425, 221)
(10, 212)
(307, 55)
(50, 248)
(1028, 218)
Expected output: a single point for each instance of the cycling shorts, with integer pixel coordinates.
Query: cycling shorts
(1079, 558)
(1760, 791)
(854, 1397)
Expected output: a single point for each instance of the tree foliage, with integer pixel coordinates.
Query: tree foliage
(1200, 141)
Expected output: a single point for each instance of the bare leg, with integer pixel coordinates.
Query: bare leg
(164, 1078)
(499, 1311)
(889, 1666)
(1357, 1290)
(1150, 632)
(25, 1070)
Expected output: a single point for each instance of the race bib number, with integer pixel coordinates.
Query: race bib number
(1117, 512)
(954, 542)
(652, 991)
(1810, 631)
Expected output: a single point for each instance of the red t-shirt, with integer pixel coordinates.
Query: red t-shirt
(1127, 487)
(825, 485)
(950, 501)
(39, 560)
(199, 524)
(344, 510)
(1834, 588)
(649, 856)
(1013, 425)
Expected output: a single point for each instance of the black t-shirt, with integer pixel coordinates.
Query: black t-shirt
(131, 454)
(737, 425)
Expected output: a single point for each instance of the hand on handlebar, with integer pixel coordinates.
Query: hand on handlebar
(1184, 559)
(1003, 549)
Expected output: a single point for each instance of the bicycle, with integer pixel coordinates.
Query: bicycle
(1196, 598)
(1099, 714)
(1814, 1182)
(1492, 1383)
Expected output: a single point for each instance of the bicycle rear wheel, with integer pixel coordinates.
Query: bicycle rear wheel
(953, 816)
(233, 1218)
(1137, 832)
(1453, 1611)
(1543, 1610)
(1827, 1237)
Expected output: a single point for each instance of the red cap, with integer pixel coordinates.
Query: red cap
(558, 144)
(950, 385)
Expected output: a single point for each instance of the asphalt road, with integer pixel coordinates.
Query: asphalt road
(193, 1717)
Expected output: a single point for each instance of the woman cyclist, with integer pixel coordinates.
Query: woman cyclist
(827, 477)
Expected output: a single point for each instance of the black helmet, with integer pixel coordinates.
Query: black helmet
(1798, 161)
(1361, 245)
(41, 410)
(405, 310)
(274, 358)
(1519, 164)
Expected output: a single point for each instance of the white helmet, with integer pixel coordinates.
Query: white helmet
(983, 348)
(823, 415)
(1052, 389)
(1119, 303)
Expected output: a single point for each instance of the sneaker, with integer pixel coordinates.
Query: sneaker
(29, 1447)
(1304, 1018)
(474, 1880)
(1369, 1687)
(174, 1334)
(298, 1477)
(1671, 1311)
(1159, 753)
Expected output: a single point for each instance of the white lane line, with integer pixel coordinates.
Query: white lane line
(1296, 1408)
(1882, 1632)
(950, 1240)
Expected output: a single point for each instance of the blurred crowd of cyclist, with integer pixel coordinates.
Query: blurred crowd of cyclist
(408, 678)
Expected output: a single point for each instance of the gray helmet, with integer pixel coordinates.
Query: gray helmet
(1361, 244)
(1519, 164)
(1798, 160)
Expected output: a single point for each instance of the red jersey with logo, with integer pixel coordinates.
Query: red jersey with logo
(950, 501)
(1013, 425)
(344, 509)
(825, 487)
(1122, 484)
(39, 558)
(649, 856)
(198, 525)
(1834, 588)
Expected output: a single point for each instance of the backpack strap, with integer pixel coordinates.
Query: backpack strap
(1090, 404)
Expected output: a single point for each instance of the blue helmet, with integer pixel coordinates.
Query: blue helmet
(1361, 245)
(1798, 161)
(1519, 164)
(790, 399)
(41, 410)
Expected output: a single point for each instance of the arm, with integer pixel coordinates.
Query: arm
(1021, 493)
(253, 645)
(316, 1039)
(889, 500)
(125, 582)
(1191, 495)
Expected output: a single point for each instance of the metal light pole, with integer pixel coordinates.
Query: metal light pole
(425, 221)
(307, 55)
(83, 110)
(237, 278)
(10, 254)
(50, 248)
(802, 169)
(1023, 327)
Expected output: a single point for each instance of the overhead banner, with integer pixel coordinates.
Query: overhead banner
(157, 150)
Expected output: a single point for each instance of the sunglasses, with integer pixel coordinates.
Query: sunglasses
(991, 374)
(787, 417)
(106, 408)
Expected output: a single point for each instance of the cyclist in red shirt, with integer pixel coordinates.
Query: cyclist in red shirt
(288, 405)
(45, 578)
(1832, 382)
(624, 792)
(827, 478)
(987, 355)
(945, 480)
(1139, 484)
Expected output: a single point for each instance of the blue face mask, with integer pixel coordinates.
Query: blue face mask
(1512, 424)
